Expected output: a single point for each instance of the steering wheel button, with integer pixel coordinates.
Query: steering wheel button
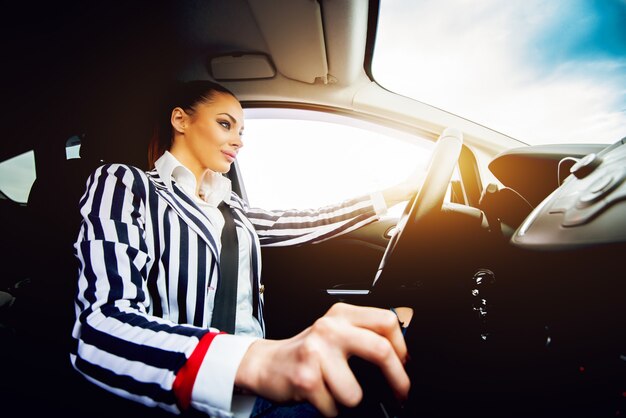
(585, 165)
(576, 216)
(597, 190)
(587, 199)
(601, 184)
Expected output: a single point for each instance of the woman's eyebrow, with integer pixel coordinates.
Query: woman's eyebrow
(232, 119)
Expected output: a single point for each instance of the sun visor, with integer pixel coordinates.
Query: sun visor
(241, 67)
(295, 37)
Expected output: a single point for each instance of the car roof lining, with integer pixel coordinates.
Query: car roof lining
(306, 40)
(201, 29)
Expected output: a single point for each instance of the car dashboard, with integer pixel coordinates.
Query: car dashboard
(588, 209)
(525, 316)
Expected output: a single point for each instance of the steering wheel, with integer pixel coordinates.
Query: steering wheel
(428, 200)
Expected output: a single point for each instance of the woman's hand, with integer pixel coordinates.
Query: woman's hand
(313, 365)
(404, 190)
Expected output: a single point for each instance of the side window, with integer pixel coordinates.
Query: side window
(72, 147)
(17, 176)
(306, 159)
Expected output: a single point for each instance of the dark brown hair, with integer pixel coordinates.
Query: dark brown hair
(186, 95)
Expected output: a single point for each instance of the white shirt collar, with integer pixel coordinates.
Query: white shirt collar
(214, 187)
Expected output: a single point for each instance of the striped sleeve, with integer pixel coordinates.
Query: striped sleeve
(293, 227)
(118, 345)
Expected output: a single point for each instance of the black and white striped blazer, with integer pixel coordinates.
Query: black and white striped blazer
(147, 257)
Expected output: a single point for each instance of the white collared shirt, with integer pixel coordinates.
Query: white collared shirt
(222, 360)
(215, 188)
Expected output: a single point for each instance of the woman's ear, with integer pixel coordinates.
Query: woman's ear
(179, 120)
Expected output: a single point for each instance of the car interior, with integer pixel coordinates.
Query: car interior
(509, 254)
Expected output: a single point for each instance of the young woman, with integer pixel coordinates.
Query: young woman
(149, 325)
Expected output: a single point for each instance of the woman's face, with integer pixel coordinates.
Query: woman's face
(210, 138)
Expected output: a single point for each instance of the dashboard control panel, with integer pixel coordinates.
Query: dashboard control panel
(588, 208)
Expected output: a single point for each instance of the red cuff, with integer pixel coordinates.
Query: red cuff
(186, 376)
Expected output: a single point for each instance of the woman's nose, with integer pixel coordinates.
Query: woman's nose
(237, 141)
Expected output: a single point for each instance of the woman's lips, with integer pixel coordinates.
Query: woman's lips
(230, 155)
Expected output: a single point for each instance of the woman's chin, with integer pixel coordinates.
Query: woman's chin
(224, 169)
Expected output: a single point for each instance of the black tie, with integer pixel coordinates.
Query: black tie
(225, 304)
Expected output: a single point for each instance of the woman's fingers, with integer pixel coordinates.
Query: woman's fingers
(381, 321)
(321, 398)
(379, 342)
(390, 365)
(307, 375)
(313, 365)
(405, 314)
(376, 349)
(340, 380)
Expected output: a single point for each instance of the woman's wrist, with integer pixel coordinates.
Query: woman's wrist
(248, 376)
(398, 193)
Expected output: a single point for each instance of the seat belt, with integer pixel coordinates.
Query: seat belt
(225, 306)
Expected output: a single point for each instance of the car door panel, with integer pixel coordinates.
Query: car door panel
(296, 278)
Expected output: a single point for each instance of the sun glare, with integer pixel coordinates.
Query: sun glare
(331, 162)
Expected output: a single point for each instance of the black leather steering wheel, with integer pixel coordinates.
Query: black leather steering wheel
(429, 198)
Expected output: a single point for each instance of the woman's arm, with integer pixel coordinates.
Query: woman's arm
(119, 345)
(400, 192)
(292, 227)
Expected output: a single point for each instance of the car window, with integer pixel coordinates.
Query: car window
(539, 71)
(307, 159)
(17, 176)
(72, 147)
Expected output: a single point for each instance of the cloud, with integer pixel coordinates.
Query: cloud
(533, 70)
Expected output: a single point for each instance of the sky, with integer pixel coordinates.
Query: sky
(540, 71)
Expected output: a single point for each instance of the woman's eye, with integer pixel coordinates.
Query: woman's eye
(225, 124)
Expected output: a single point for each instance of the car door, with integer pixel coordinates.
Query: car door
(304, 158)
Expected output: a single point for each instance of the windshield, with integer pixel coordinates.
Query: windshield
(540, 71)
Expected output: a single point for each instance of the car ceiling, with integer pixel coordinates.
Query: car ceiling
(98, 65)
(82, 57)
(308, 41)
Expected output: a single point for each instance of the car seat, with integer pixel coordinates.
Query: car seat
(42, 313)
